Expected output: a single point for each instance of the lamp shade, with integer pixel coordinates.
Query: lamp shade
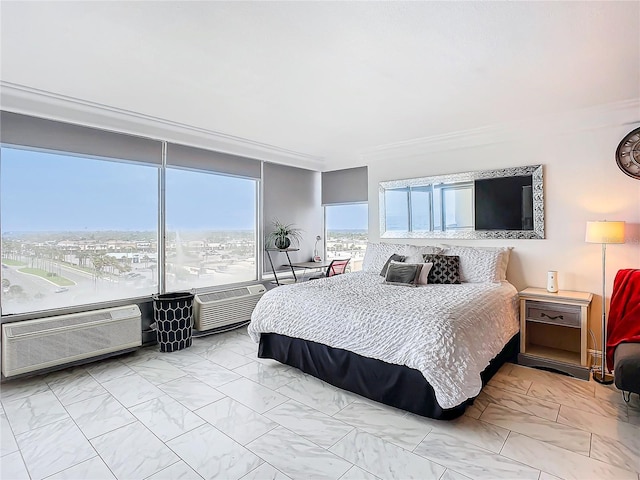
(605, 232)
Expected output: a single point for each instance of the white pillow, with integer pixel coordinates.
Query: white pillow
(414, 252)
(481, 264)
(504, 263)
(377, 254)
(424, 274)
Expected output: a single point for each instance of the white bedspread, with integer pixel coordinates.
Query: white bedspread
(447, 332)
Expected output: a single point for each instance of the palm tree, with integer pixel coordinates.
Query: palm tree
(99, 262)
(82, 258)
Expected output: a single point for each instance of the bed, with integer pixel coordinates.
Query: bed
(426, 349)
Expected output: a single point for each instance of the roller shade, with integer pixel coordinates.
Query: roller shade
(27, 131)
(350, 185)
(191, 157)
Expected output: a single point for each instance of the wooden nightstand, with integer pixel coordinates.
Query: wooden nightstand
(553, 330)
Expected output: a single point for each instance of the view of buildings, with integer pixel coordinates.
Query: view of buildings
(53, 270)
(347, 244)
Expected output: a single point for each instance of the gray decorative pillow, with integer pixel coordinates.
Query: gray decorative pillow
(393, 258)
(445, 270)
(403, 274)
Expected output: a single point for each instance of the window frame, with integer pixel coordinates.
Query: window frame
(257, 191)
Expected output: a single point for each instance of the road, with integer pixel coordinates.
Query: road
(40, 294)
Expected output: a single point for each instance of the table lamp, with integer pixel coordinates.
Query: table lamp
(316, 257)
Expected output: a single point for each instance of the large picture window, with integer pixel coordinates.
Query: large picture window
(91, 216)
(347, 232)
(75, 230)
(211, 229)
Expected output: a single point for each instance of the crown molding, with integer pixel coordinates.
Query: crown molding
(30, 101)
(616, 114)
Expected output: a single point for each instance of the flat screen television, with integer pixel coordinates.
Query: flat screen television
(504, 203)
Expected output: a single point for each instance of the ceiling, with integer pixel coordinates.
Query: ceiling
(327, 79)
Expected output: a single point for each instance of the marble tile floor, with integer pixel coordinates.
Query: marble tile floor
(216, 411)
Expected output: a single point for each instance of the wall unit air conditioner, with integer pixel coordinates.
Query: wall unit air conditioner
(47, 342)
(227, 307)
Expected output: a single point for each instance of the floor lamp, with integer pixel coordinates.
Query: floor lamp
(604, 233)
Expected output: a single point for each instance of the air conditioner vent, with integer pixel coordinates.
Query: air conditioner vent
(224, 294)
(38, 344)
(227, 307)
(24, 328)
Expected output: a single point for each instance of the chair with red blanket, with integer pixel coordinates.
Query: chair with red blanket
(623, 331)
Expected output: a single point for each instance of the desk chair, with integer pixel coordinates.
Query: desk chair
(336, 267)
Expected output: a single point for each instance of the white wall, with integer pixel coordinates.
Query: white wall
(582, 182)
(292, 195)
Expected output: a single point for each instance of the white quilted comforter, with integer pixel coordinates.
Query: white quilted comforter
(447, 332)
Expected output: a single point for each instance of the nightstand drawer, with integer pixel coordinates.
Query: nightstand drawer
(553, 313)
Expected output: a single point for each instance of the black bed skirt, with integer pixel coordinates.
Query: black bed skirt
(395, 385)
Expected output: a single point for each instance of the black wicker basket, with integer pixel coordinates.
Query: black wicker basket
(173, 314)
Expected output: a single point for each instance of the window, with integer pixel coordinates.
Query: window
(81, 210)
(211, 229)
(346, 228)
(75, 230)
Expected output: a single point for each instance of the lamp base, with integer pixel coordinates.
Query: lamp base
(605, 379)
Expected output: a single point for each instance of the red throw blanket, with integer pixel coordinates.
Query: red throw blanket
(624, 313)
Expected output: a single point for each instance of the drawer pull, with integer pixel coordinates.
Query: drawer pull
(561, 317)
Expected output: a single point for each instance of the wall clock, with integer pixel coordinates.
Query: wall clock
(628, 154)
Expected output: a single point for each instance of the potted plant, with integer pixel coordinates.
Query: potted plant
(283, 234)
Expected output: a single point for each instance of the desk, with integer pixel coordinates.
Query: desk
(309, 265)
(286, 251)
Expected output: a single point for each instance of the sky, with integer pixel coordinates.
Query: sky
(51, 192)
(56, 192)
(347, 217)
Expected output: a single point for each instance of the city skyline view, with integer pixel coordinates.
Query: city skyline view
(41, 271)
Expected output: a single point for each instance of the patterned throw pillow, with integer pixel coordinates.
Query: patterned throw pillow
(400, 273)
(393, 258)
(446, 268)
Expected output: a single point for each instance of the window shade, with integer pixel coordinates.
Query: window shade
(24, 130)
(350, 185)
(200, 159)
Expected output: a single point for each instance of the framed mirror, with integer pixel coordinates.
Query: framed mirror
(505, 203)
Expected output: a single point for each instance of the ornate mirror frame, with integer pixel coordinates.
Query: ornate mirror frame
(469, 233)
